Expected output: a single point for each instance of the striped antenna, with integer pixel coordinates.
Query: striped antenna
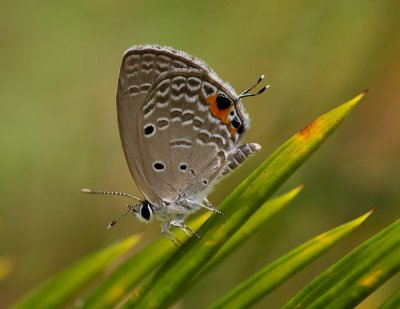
(246, 92)
(90, 191)
(131, 209)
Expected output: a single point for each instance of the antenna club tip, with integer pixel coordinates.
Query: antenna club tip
(262, 76)
(85, 190)
(262, 90)
(111, 224)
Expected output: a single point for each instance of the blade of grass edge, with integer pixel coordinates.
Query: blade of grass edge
(114, 288)
(393, 301)
(324, 282)
(387, 266)
(274, 274)
(60, 288)
(268, 211)
(159, 290)
(338, 280)
(120, 283)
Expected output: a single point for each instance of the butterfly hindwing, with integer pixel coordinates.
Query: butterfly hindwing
(184, 145)
(141, 66)
(180, 125)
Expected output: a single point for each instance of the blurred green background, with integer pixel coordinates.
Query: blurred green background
(58, 72)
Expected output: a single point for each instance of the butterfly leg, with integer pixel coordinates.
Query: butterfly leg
(211, 207)
(165, 230)
(188, 231)
(207, 205)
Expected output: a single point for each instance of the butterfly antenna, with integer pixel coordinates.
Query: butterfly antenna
(246, 92)
(130, 209)
(90, 191)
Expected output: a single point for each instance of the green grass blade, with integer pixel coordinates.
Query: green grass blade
(114, 288)
(392, 302)
(354, 277)
(121, 282)
(355, 292)
(160, 289)
(269, 210)
(274, 274)
(59, 289)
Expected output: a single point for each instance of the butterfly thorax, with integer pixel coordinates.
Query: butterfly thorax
(178, 210)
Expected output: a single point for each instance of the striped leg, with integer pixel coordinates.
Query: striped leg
(240, 155)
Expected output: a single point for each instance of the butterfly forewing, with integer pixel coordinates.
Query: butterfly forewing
(141, 66)
(176, 138)
(185, 147)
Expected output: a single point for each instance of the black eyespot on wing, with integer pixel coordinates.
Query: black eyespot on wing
(223, 102)
(183, 167)
(236, 122)
(159, 166)
(145, 211)
(205, 182)
(149, 129)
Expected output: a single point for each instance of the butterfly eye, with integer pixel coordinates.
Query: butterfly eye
(223, 102)
(146, 211)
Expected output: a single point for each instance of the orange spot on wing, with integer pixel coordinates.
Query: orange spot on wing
(220, 114)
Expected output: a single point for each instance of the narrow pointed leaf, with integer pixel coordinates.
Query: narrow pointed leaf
(274, 274)
(122, 280)
(392, 302)
(269, 210)
(349, 281)
(59, 289)
(111, 290)
(160, 289)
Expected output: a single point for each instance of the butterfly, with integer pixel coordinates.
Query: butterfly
(181, 128)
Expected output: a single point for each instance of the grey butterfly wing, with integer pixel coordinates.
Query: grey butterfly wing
(175, 145)
(141, 66)
(186, 140)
